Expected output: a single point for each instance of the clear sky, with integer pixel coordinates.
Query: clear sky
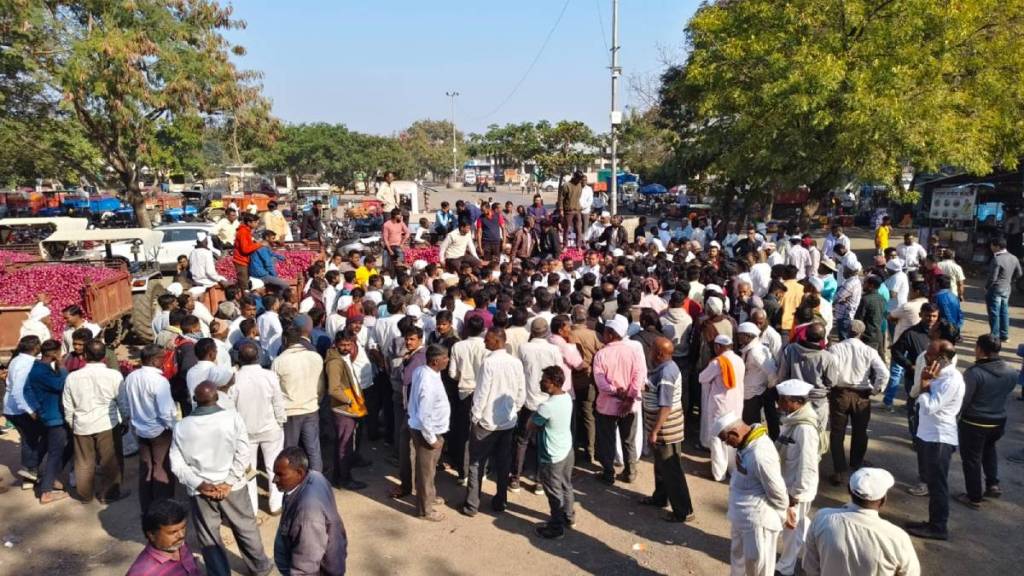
(379, 65)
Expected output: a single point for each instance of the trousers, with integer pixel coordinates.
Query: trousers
(573, 223)
(606, 427)
(978, 454)
(556, 478)
(997, 308)
(426, 468)
(461, 436)
(155, 479)
(793, 540)
(270, 448)
(237, 511)
(523, 435)
(723, 459)
(669, 480)
(936, 459)
(31, 432)
(586, 431)
(103, 448)
(57, 456)
(765, 401)
(304, 430)
(853, 406)
(752, 552)
(496, 446)
(346, 428)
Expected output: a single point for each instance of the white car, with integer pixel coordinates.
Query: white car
(549, 185)
(179, 240)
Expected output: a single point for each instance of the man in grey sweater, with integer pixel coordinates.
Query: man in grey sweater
(806, 360)
(987, 386)
(1004, 272)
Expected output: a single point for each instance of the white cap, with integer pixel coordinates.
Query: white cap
(714, 244)
(748, 328)
(793, 387)
(175, 288)
(606, 214)
(723, 340)
(197, 291)
(715, 305)
(344, 302)
(853, 265)
(38, 312)
(419, 264)
(871, 483)
(714, 288)
(725, 422)
(663, 226)
(896, 265)
(413, 310)
(255, 284)
(306, 305)
(619, 324)
(617, 253)
(201, 236)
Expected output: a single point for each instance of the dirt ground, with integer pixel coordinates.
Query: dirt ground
(614, 535)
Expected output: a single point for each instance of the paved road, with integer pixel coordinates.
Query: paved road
(614, 535)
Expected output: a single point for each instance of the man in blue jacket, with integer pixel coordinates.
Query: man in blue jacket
(262, 265)
(948, 303)
(43, 392)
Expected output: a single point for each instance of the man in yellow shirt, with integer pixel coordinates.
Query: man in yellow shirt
(882, 234)
(274, 220)
(364, 272)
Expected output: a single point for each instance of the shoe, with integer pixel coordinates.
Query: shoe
(549, 533)
(353, 485)
(915, 525)
(513, 486)
(966, 501)
(993, 491)
(836, 479)
(608, 479)
(119, 495)
(627, 477)
(672, 517)
(927, 532)
(499, 508)
(890, 409)
(920, 490)
(438, 501)
(538, 489)
(434, 517)
(463, 482)
(467, 511)
(650, 501)
(52, 496)
(397, 493)
(29, 474)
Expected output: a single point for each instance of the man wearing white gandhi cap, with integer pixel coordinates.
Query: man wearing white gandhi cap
(854, 539)
(202, 265)
(799, 454)
(721, 392)
(757, 496)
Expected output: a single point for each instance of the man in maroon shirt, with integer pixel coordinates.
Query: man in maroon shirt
(166, 554)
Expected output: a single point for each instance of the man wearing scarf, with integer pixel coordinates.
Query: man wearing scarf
(799, 454)
(721, 393)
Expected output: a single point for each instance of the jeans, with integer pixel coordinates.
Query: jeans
(936, 457)
(389, 261)
(31, 432)
(556, 478)
(521, 440)
(895, 380)
(58, 454)
(304, 430)
(997, 306)
(978, 453)
(843, 326)
(854, 406)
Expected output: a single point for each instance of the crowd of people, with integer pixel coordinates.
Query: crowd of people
(507, 360)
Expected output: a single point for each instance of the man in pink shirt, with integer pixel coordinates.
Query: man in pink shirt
(572, 360)
(166, 553)
(619, 373)
(394, 234)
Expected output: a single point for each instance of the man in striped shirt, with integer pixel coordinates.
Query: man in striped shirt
(663, 428)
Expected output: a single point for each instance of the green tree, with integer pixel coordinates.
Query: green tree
(646, 147)
(567, 146)
(817, 92)
(429, 146)
(137, 74)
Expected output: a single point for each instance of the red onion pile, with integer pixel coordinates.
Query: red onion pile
(63, 283)
(429, 254)
(12, 257)
(295, 264)
(575, 254)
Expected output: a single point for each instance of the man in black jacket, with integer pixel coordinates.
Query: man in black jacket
(987, 386)
(911, 344)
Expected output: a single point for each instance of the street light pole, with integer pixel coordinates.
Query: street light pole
(616, 115)
(455, 169)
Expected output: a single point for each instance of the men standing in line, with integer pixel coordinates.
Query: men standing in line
(256, 395)
(466, 360)
(300, 371)
(759, 371)
(721, 393)
(311, 537)
(799, 455)
(429, 413)
(663, 429)
(854, 539)
(757, 496)
(500, 393)
(210, 454)
(942, 394)
(987, 386)
(619, 374)
(536, 355)
(94, 410)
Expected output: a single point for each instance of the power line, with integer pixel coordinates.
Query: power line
(532, 64)
(600, 22)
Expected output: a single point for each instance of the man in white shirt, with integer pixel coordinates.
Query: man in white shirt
(847, 298)
(500, 393)
(953, 271)
(207, 370)
(429, 413)
(203, 266)
(226, 228)
(94, 411)
(466, 358)
(909, 313)
(536, 355)
(153, 415)
(758, 378)
(74, 318)
(387, 194)
(269, 326)
(942, 394)
(458, 246)
(835, 237)
(210, 454)
(911, 252)
(798, 256)
(898, 284)
(256, 396)
(799, 454)
(300, 371)
(854, 539)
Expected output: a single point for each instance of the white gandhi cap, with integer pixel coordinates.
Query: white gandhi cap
(725, 422)
(871, 483)
(748, 328)
(794, 387)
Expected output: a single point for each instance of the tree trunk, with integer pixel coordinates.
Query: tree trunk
(138, 203)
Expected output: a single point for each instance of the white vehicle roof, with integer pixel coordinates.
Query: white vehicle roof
(150, 238)
(60, 222)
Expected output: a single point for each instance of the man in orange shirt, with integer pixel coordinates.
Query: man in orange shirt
(244, 247)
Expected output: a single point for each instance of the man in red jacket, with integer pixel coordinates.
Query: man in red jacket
(244, 246)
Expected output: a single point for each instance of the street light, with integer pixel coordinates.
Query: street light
(455, 169)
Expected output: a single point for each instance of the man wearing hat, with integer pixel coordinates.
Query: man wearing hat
(721, 393)
(759, 371)
(898, 284)
(847, 298)
(854, 539)
(757, 496)
(202, 265)
(38, 322)
(620, 372)
(799, 454)
(861, 374)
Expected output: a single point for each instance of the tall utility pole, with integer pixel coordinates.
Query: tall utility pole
(616, 115)
(455, 154)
